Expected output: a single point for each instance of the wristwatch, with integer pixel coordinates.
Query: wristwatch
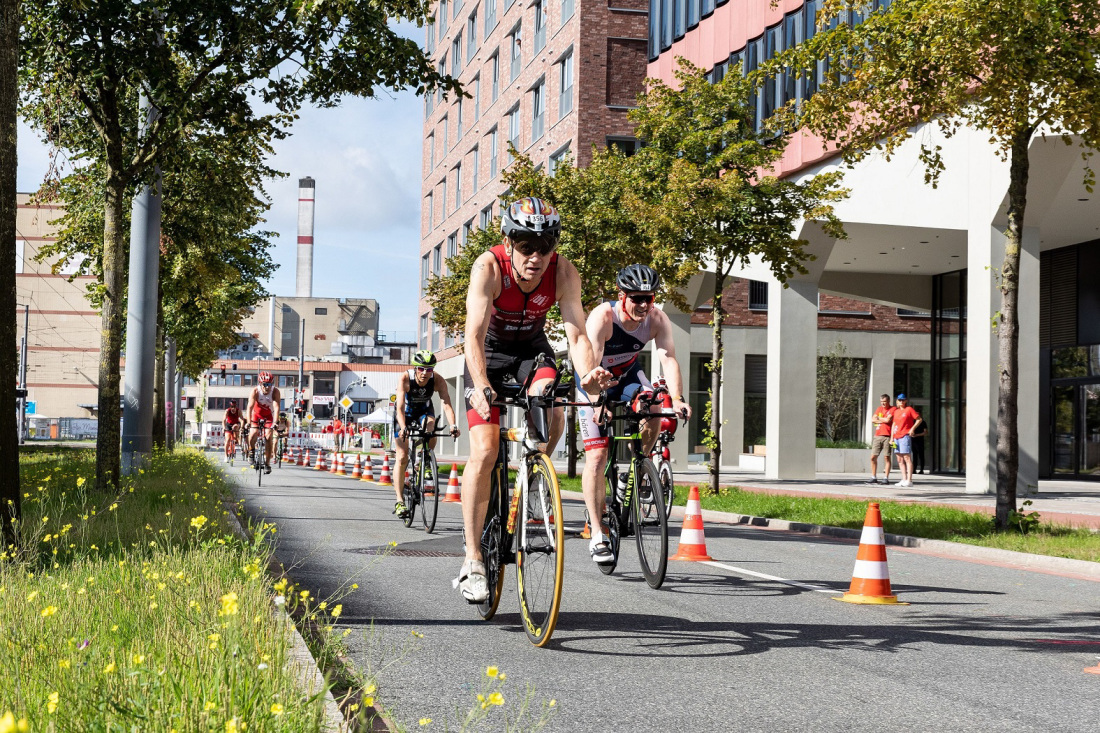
(678, 398)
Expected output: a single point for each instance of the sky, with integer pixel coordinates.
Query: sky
(365, 158)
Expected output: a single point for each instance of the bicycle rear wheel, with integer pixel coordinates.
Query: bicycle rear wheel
(258, 459)
(614, 535)
(492, 549)
(668, 488)
(429, 491)
(410, 492)
(650, 522)
(540, 552)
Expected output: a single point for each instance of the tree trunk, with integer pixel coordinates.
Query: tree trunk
(159, 395)
(10, 496)
(108, 458)
(1008, 334)
(717, 319)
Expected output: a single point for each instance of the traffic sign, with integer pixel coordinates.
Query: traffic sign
(393, 398)
(31, 407)
(347, 402)
(309, 417)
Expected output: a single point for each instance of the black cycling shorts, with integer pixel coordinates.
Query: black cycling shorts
(507, 361)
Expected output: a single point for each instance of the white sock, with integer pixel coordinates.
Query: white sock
(597, 537)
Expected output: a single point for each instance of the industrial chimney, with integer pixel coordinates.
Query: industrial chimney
(306, 190)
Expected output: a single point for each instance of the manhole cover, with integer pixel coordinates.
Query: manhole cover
(403, 552)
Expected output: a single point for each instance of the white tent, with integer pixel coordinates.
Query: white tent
(375, 418)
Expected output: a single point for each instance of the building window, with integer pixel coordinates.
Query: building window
(486, 220)
(514, 42)
(556, 159)
(431, 151)
(540, 25)
(773, 44)
(424, 331)
(441, 18)
(565, 78)
(476, 164)
(458, 186)
(513, 130)
(494, 62)
(538, 111)
(793, 27)
(758, 295)
(458, 120)
(494, 146)
(477, 97)
(443, 200)
(490, 17)
(471, 36)
(467, 229)
(455, 8)
(626, 145)
(508, 5)
(435, 337)
(456, 55)
(425, 271)
(566, 10)
(431, 214)
(429, 105)
(437, 258)
(320, 311)
(443, 137)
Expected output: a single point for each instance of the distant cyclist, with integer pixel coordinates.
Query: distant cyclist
(232, 422)
(262, 404)
(512, 288)
(414, 406)
(619, 331)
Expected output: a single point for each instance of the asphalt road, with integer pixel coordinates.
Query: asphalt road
(718, 648)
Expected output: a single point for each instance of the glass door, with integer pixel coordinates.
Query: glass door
(1063, 419)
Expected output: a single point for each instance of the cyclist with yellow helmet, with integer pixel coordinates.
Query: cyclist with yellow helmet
(414, 406)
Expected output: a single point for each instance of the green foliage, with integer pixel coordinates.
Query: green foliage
(1022, 520)
(845, 444)
(841, 389)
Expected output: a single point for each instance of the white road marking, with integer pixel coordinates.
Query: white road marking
(795, 583)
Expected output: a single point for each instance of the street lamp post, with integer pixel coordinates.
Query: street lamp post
(22, 399)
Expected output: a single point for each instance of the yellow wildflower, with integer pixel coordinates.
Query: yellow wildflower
(51, 704)
(8, 724)
(209, 706)
(492, 672)
(229, 605)
(65, 664)
(276, 709)
(198, 522)
(32, 595)
(49, 610)
(496, 699)
(139, 658)
(81, 481)
(425, 721)
(109, 668)
(337, 610)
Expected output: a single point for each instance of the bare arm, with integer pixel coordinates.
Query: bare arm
(445, 397)
(251, 403)
(598, 327)
(592, 377)
(484, 288)
(666, 352)
(399, 406)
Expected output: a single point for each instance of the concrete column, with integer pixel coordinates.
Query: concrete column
(984, 258)
(733, 396)
(880, 381)
(792, 380)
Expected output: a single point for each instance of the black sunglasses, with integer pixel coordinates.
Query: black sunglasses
(638, 299)
(528, 243)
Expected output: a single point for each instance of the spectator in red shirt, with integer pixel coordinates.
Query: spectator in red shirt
(882, 418)
(906, 420)
(338, 432)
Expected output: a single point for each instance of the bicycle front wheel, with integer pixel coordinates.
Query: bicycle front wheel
(261, 454)
(668, 488)
(429, 491)
(540, 552)
(650, 522)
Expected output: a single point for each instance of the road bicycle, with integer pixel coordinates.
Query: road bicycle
(259, 453)
(524, 520)
(639, 507)
(423, 487)
(280, 449)
(230, 446)
(662, 461)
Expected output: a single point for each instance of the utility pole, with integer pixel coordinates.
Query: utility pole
(23, 374)
(141, 318)
(170, 402)
(301, 366)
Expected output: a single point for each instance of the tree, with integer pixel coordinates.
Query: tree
(709, 194)
(1011, 68)
(10, 496)
(205, 64)
(841, 387)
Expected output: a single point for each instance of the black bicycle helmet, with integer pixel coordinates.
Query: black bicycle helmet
(530, 217)
(638, 279)
(424, 358)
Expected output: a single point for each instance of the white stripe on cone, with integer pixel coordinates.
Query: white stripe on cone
(871, 570)
(872, 536)
(691, 537)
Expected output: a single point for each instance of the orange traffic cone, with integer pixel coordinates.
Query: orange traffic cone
(1093, 670)
(454, 494)
(871, 577)
(385, 479)
(341, 463)
(586, 533)
(286, 454)
(320, 465)
(334, 464)
(356, 468)
(368, 468)
(305, 458)
(693, 545)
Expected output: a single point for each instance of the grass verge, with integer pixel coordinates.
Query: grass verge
(142, 611)
(914, 520)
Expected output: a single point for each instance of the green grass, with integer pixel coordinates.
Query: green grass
(140, 611)
(914, 520)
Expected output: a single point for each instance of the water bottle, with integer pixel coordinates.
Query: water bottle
(620, 486)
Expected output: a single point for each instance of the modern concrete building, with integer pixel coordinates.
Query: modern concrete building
(335, 329)
(916, 247)
(63, 329)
